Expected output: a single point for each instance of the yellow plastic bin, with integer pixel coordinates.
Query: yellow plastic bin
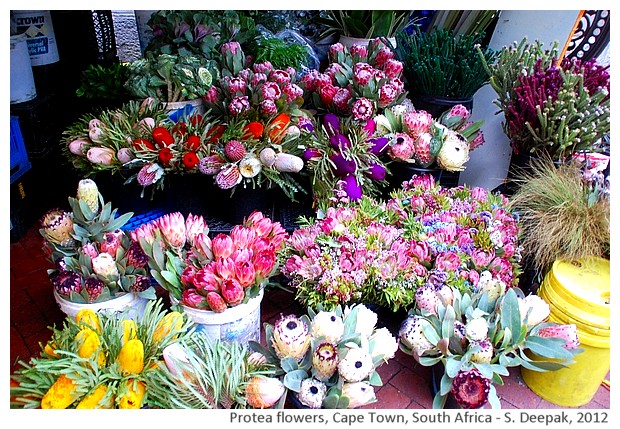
(578, 293)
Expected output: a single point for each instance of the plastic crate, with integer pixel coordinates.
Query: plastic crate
(138, 220)
(19, 157)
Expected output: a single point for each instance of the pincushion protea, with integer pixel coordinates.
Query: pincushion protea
(356, 365)
(263, 392)
(471, 389)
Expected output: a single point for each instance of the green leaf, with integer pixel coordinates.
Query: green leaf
(439, 401)
(511, 317)
(292, 380)
(429, 332)
(493, 399)
(331, 401)
(289, 364)
(445, 385)
(550, 348)
(375, 379)
(453, 366)
(447, 326)
(429, 361)
(158, 254)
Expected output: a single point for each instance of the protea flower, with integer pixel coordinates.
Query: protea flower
(149, 174)
(324, 361)
(312, 393)
(141, 284)
(90, 249)
(57, 227)
(427, 299)
(477, 329)
(211, 164)
(228, 177)
(145, 231)
(454, 152)
(125, 155)
(402, 147)
(533, 309)
(484, 354)
(393, 69)
(88, 192)
(238, 105)
(471, 389)
(268, 107)
(417, 122)
(328, 325)
(412, 336)
(366, 320)
(567, 332)
(387, 94)
(290, 337)
(101, 155)
(172, 226)
(66, 282)
(263, 392)
(385, 344)
(356, 365)
(111, 242)
(292, 92)
(105, 265)
(194, 225)
(93, 287)
(216, 302)
(135, 256)
(360, 393)
(362, 109)
(232, 292)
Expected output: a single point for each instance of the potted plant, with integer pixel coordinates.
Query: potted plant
(469, 335)
(441, 68)
(104, 85)
(218, 282)
(533, 85)
(358, 26)
(329, 359)
(95, 264)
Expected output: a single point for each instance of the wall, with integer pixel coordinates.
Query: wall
(488, 164)
(126, 34)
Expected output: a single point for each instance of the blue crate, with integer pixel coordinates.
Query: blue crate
(19, 157)
(138, 220)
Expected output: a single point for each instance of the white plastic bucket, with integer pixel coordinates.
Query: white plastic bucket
(38, 28)
(134, 304)
(240, 323)
(22, 80)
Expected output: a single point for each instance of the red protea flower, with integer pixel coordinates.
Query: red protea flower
(190, 160)
(232, 292)
(341, 100)
(205, 280)
(362, 109)
(216, 302)
(471, 389)
(193, 142)
(66, 282)
(135, 256)
(327, 93)
(165, 156)
(235, 150)
(111, 242)
(93, 287)
(253, 129)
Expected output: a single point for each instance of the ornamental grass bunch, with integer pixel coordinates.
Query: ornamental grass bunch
(359, 81)
(477, 336)
(94, 259)
(328, 359)
(340, 153)
(552, 107)
(563, 214)
(416, 138)
(99, 360)
(211, 274)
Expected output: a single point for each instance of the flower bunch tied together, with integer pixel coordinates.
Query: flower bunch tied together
(359, 82)
(416, 138)
(478, 336)
(329, 359)
(94, 259)
(211, 274)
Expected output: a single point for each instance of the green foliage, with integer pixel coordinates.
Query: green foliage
(469, 22)
(106, 83)
(366, 24)
(442, 63)
(281, 54)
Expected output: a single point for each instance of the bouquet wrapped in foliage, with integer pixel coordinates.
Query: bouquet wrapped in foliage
(98, 361)
(551, 107)
(478, 336)
(424, 236)
(340, 153)
(211, 274)
(416, 138)
(360, 81)
(94, 258)
(328, 360)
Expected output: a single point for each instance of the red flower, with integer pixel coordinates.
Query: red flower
(195, 119)
(253, 129)
(165, 155)
(214, 133)
(180, 128)
(142, 145)
(162, 137)
(193, 142)
(190, 160)
(471, 389)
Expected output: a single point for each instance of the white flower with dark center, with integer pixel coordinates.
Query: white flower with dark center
(454, 152)
(312, 393)
(356, 365)
(412, 335)
(290, 337)
(329, 325)
(359, 394)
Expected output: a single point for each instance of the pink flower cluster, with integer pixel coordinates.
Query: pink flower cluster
(358, 81)
(257, 88)
(221, 272)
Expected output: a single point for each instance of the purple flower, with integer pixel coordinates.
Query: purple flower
(239, 105)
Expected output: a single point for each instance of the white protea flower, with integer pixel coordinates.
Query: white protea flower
(476, 329)
(366, 319)
(57, 227)
(484, 351)
(382, 125)
(290, 337)
(105, 265)
(412, 336)
(250, 166)
(356, 365)
(494, 288)
(264, 392)
(384, 344)
(324, 361)
(88, 192)
(329, 325)
(533, 309)
(312, 393)
(454, 152)
(359, 394)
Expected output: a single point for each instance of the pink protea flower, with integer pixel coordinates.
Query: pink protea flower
(393, 69)
(216, 302)
(236, 85)
(362, 73)
(281, 77)
(222, 246)
(458, 110)
(244, 270)
(90, 249)
(402, 147)
(264, 262)
(172, 226)
(270, 91)
(362, 109)
(145, 231)
(230, 47)
(399, 85)
(242, 237)
(202, 247)
(257, 78)
(341, 100)
(268, 107)
(308, 80)
(383, 55)
(477, 141)
(187, 276)
(327, 93)
(191, 298)
(417, 122)
(232, 292)
(323, 79)
(205, 280)
(471, 389)
(566, 332)
(292, 92)
(264, 67)
(239, 105)
(212, 95)
(135, 256)
(149, 174)
(194, 225)
(447, 261)
(111, 242)
(225, 268)
(228, 177)
(333, 69)
(245, 74)
(334, 50)
(359, 51)
(387, 94)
